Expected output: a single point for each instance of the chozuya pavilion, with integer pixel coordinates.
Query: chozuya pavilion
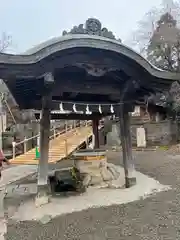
(87, 70)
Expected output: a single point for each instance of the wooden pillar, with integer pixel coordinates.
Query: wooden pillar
(45, 122)
(43, 188)
(128, 160)
(95, 124)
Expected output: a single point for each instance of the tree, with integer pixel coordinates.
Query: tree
(158, 39)
(139, 39)
(5, 42)
(163, 49)
(8, 101)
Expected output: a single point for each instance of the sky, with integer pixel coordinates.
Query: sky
(32, 22)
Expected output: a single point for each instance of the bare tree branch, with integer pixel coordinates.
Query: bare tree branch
(158, 39)
(5, 42)
(139, 39)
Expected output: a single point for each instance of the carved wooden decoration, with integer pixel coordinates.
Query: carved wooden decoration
(92, 27)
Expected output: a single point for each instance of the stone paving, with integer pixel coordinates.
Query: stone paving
(157, 217)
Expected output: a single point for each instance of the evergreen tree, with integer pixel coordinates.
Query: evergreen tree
(157, 37)
(164, 52)
(164, 46)
(139, 39)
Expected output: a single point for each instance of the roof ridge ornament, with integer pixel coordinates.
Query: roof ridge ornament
(92, 27)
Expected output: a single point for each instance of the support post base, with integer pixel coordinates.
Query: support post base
(130, 181)
(2, 196)
(3, 229)
(43, 195)
(3, 221)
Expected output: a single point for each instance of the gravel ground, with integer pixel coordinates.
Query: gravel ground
(157, 217)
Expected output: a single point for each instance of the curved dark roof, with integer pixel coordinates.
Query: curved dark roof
(86, 48)
(54, 45)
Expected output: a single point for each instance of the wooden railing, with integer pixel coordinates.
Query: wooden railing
(67, 142)
(55, 132)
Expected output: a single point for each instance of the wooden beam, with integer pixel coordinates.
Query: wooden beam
(84, 87)
(74, 116)
(73, 94)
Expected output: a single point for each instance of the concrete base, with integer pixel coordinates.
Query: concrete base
(43, 195)
(2, 195)
(95, 197)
